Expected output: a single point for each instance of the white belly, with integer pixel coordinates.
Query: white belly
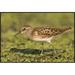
(43, 39)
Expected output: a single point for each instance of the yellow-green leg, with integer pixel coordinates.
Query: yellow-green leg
(42, 51)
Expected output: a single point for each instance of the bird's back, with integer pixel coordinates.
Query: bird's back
(47, 31)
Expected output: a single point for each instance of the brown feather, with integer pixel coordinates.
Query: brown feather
(47, 31)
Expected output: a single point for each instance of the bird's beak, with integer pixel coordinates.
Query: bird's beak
(18, 33)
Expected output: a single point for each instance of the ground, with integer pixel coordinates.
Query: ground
(20, 49)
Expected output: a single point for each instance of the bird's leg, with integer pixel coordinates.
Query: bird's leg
(42, 49)
(50, 42)
(51, 45)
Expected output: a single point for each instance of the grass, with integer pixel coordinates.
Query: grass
(20, 49)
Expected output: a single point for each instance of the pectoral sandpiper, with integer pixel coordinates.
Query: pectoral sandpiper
(42, 33)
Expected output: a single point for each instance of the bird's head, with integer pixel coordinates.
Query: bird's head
(24, 29)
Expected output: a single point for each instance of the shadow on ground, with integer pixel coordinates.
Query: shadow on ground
(33, 51)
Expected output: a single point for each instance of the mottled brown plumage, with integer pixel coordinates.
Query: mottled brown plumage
(42, 33)
(47, 31)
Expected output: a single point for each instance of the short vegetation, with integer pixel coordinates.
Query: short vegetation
(21, 49)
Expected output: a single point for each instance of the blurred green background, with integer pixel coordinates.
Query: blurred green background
(19, 49)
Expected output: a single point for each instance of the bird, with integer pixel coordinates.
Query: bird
(43, 33)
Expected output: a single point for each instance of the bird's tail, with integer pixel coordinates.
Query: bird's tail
(67, 29)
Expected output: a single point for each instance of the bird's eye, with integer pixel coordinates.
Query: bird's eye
(23, 29)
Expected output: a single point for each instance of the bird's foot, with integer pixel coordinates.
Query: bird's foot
(42, 52)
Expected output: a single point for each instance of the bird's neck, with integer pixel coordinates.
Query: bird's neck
(28, 33)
